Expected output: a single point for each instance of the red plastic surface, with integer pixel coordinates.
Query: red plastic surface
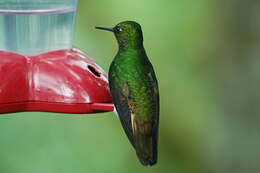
(65, 81)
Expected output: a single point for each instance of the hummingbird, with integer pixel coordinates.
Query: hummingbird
(134, 89)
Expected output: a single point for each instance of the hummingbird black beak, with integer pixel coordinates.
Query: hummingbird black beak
(105, 28)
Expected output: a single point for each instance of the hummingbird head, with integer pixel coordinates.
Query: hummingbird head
(128, 34)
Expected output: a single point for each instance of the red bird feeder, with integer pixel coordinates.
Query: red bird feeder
(39, 71)
(65, 81)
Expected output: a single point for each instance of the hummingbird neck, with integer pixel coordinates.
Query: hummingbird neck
(130, 45)
(125, 43)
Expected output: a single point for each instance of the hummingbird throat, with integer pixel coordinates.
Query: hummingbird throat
(130, 43)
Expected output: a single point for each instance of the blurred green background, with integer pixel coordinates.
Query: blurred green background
(206, 56)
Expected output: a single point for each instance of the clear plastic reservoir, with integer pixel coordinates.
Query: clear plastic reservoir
(32, 27)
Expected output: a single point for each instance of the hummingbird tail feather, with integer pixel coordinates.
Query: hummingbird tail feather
(147, 152)
(146, 142)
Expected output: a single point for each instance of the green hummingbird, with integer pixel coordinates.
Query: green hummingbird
(134, 90)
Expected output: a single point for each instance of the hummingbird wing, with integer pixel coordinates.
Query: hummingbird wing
(120, 99)
(146, 123)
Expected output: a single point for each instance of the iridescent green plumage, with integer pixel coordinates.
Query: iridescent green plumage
(134, 91)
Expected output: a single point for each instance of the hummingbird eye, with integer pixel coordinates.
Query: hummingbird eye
(118, 29)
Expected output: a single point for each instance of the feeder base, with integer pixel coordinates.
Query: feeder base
(64, 81)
